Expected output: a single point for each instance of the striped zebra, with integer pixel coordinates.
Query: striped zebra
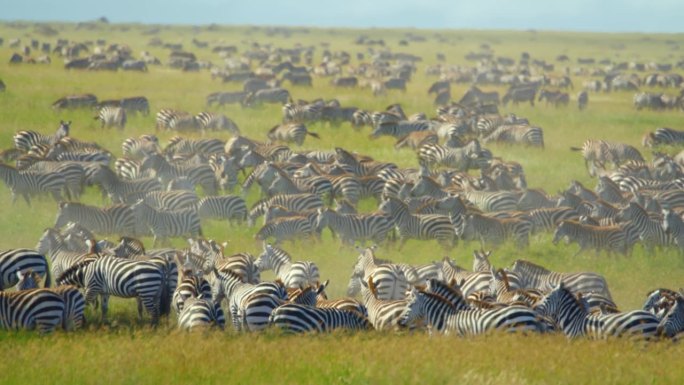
(187, 147)
(492, 201)
(293, 274)
(294, 202)
(243, 264)
(400, 128)
(289, 228)
(673, 225)
(390, 280)
(164, 224)
(556, 98)
(461, 159)
(547, 219)
(672, 324)
(600, 152)
(201, 175)
(166, 200)
(189, 286)
(74, 174)
(357, 167)
(18, 260)
(74, 302)
(295, 318)
(229, 207)
(138, 148)
(382, 314)
(517, 134)
(40, 309)
(144, 280)
(651, 231)
(216, 122)
(24, 140)
(201, 313)
(136, 104)
(118, 219)
(352, 228)
(609, 238)
(490, 231)
(418, 226)
(290, 133)
(663, 136)
(563, 308)
(271, 95)
(659, 301)
(533, 276)
(52, 245)
(293, 113)
(112, 117)
(170, 119)
(520, 94)
(28, 183)
(118, 189)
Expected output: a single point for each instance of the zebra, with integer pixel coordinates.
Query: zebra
(563, 308)
(112, 116)
(118, 189)
(672, 323)
(533, 276)
(608, 238)
(391, 280)
(351, 228)
(74, 174)
(230, 207)
(288, 228)
(293, 113)
(138, 148)
(52, 245)
(600, 151)
(353, 165)
(294, 202)
(292, 274)
(189, 286)
(40, 309)
(290, 132)
(27, 183)
(382, 314)
(651, 232)
(18, 260)
(201, 175)
(547, 219)
(461, 159)
(168, 118)
(164, 224)
(223, 98)
(409, 225)
(186, 147)
(136, 104)
(118, 219)
(554, 97)
(663, 136)
(673, 225)
(295, 318)
(74, 302)
(271, 95)
(520, 94)
(214, 122)
(522, 134)
(400, 128)
(492, 231)
(489, 201)
(474, 95)
(24, 140)
(201, 312)
(166, 200)
(104, 275)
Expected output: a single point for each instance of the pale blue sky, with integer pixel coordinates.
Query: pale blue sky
(587, 15)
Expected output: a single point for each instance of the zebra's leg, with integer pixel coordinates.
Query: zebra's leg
(105, 306)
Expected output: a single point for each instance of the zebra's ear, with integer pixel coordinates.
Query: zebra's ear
(20, 275)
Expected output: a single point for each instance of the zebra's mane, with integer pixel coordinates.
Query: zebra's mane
(438, 298)
(69, 274)
(133, 243)
(504, 278)
(529, 267)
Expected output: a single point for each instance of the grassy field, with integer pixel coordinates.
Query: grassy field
(128, 352)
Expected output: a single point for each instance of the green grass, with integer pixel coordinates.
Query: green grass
(129, 352)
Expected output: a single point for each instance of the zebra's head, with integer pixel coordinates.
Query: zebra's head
(558, 302)
(264, 261)
(415, 307)
(49, 241)
(561, 232)
(322, 218)
(673, 322)
(63, 129)
(481, 260)
(671, 221)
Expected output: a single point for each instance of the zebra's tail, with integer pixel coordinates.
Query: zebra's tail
(315, 135)
(47, 273)
(575, 149)
(165, 297)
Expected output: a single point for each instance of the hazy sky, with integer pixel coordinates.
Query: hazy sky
(592, 15)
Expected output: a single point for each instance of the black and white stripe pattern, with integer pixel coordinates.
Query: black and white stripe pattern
(290, 133)
(663, 137)
(490, 231)
(672, 323)
(41, 309)
(201, 175)
(118, 219)
(293, 274)
(414, 226)
(461, 159)
(217, 122)
(74, 302)
(383, 315)
(201, 313)
(289, 228)
(400, 129)
(18, 260)
(165, 224)
(117, 189)
(166, 200)
(28, 183)
(229, 207)
(271, 95)
(517, 134)
(112, 117)
(293, 202)
(188, 147)
(190, 286)
(138, 148)
(609, 238)
(355, 227)
(24, 140)
(293, 113)
(295, 318)
(651, 232)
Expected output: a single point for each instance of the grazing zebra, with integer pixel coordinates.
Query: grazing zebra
(609, 238)
(672, 323)
(289, 228)
(520, 94)
(18, 260)
(190, 286)
(474, 95)
(651, 232)
(74, 302)
(492, 231)
(600, 151)
(140, 147)
(522, 134)
(27, 183)
(112, 117)
(187, 147)
(201, 313)
(164, 224)
(563, 308)
(118, 219)
(673, 225)
(663, 137)
(400, 128)
(201, 175)
(271, 95)
(214, 122)
(417, 226)
(166, 200)
(351, 228)
(136, 104)
(118, 190)
(293, 274)
(582, 100)
(290, 133)
(52, 245)
(293, 202)
(40, 309)
(461, 159)
(293, 113)
(492, 201)
(105, 276)
(390, 280)
(554, 97)
(24, 140)
(295, 318)
(230, 207)
(547, 219)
